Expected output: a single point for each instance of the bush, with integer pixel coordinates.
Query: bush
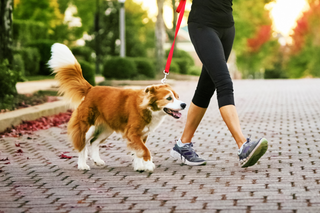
(31, 59)
(88, 71)
(181, 54)
(145, 67)
(119, 68)
(183, 59)
(25, 31)
(183, 65)
(82, 52)
(194, 71)
(44, 48)
(174, 67)
(8, 80)
(275, 74)
(18, 64)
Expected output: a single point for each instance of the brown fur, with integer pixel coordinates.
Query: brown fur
(122, 110)
(72, 84)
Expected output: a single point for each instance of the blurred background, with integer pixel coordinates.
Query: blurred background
(274, 39)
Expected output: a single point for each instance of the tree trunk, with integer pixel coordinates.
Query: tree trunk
(160, 37)
(6, 9)
(174, 22)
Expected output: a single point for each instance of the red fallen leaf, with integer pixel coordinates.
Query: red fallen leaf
(4, 159)
(28, 127)
(17, 144)
(7, 163)
(19, 151)
(63, 156)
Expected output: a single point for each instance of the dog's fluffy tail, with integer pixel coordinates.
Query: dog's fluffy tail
(69, 74)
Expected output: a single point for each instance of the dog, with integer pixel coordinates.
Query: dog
(102, 110)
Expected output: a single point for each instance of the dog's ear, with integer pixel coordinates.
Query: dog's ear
(150, 89)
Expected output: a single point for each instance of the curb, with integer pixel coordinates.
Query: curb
(14, 118)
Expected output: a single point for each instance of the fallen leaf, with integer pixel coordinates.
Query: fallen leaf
(28, 127)
(19, 151)
(63, 156)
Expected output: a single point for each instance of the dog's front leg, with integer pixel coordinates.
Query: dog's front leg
(142, 160)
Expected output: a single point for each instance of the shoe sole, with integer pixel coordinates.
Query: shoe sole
(256, 153)
(176, 155)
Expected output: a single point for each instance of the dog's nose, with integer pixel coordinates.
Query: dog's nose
(183, 105)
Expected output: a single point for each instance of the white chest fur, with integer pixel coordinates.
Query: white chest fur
(157, 119)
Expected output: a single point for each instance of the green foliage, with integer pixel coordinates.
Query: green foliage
(250, 16)
(194, 71)
(25, 31)
(8, 80)
(83, 52)
(43, 19)
(182, 63)
(119, 68)
(174, 67)
(177, 53)
(18, 65)
(31, 59)
(182, 59)
(44, 48)
(139, 30)
(305, 48)
(145, 67)
(88, 71)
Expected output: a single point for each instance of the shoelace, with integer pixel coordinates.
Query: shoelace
(192, 151)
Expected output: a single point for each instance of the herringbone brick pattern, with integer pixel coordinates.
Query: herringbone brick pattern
(286, 179)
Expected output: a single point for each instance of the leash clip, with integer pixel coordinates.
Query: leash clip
(165, 77)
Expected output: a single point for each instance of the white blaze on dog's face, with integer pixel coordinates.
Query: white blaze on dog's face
(164, 98)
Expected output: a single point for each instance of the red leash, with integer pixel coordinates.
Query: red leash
(180, 9)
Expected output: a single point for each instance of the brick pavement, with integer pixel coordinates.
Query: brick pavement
(286, 179)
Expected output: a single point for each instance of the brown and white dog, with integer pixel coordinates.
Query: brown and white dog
(101, 110)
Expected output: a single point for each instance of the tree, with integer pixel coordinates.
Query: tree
(253, 42)
(305, 48)
(6, 9)
(8, 78)
(50, 14)
(139, 30)
(160, 37)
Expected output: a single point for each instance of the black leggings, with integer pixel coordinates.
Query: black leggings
(213, 47)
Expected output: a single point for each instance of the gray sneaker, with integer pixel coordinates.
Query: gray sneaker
(252, 151)
(187, 155)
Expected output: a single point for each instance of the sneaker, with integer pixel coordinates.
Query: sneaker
(186, 155)
(252, 151)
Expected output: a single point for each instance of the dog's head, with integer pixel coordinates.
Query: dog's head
(163, 98)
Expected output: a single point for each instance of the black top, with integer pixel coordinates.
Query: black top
(212, 13)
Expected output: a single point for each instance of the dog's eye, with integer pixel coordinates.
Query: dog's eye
(169, 98)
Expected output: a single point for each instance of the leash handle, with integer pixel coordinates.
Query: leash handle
(180, 10)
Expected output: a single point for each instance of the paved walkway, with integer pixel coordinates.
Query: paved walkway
(286, 179)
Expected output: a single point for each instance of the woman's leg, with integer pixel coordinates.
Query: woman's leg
(195, 115)
(230, 117)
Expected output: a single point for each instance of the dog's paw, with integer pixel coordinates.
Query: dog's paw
(140, 165)
(149, 166)
(99, 162)
(83, 167)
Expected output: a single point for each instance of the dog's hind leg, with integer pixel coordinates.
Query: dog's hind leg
(101, 133)
(83, 154)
